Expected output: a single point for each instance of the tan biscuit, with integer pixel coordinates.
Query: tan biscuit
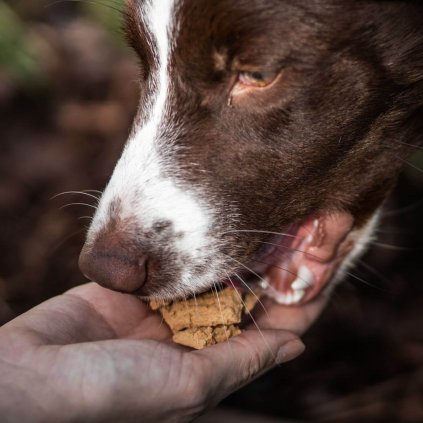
(201, 337)
(206, 319)
(205, 310)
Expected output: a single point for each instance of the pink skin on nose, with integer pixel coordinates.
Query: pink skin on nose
(315, 253)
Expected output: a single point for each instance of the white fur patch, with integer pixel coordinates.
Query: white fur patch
(140, 180)
(363, 238)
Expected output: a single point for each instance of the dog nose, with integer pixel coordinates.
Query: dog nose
(114, 267)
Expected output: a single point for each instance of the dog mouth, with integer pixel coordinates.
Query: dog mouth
(296, 266)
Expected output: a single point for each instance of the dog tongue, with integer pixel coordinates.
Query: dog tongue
(316, 252)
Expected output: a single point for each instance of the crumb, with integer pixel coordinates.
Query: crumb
(157, 304)
(250, 301)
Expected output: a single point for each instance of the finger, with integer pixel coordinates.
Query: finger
(88, 313)
(296, 319)
(230, 365)
(126, 314)
(61, 320)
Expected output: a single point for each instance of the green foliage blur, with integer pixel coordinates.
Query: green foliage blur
(17, 54)
(108, 14)
(19, 42)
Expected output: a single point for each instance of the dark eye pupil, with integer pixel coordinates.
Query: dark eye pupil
(257, 75)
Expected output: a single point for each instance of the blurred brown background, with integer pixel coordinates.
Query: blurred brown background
(68, 92)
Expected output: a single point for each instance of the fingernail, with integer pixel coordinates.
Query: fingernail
(290, 351)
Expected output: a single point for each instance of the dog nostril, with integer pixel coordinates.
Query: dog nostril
(114, 268)
(142, 269)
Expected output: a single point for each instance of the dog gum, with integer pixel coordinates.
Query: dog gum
(206, 319)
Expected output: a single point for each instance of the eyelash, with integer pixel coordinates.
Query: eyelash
(251, 80)
(256, 79)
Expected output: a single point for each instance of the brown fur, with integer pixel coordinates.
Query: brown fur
(331, 133)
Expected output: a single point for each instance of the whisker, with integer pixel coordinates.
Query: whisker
(286, 270)
(63, 241)
(364, 281)
(260, 232)
(85, 217)
(282, 234)
(221, 314)
(250, 314)
(76, 193)
(418, 147)
(246, 267)
(93, 190)
(409, 164)
(258, 298)
(162, 321)
(254, 273)
(409, 208)
(78, 204)
(296, 275)
(390, 246)
(386, 246)
(373, 270)
(389, 230)
(287, 248)
(195, 301)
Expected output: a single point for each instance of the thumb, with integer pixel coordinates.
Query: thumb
(230, 365)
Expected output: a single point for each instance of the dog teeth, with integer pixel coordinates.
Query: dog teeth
(288, 298)
(304, 279)
(298, 288)
(264, 283)
(308, 239)
(282, 298)
(297, 296)
(294, 297)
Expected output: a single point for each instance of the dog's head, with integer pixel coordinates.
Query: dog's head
(268, 134)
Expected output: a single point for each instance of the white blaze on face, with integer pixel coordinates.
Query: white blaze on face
(140, 182)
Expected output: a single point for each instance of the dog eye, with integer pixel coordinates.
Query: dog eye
(256, 79)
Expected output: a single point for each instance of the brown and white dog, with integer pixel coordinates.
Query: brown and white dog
(268, 134)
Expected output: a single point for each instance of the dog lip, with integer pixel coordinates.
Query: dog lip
(243, 279)
(298, 264)
(320, 246)
(253, 272)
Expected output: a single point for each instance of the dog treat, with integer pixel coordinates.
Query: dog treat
(251, 298)
(206, 319)
(200, 337)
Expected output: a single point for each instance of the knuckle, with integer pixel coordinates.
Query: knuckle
(253, 365)
(196, 389)
(256, 362)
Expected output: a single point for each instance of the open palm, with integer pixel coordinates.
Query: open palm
(96, 355)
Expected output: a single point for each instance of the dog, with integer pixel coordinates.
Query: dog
(268, 135)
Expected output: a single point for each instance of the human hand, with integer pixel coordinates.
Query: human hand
(97, 355)
(268, 314)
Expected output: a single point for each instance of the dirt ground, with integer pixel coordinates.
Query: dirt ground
(67, 95)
